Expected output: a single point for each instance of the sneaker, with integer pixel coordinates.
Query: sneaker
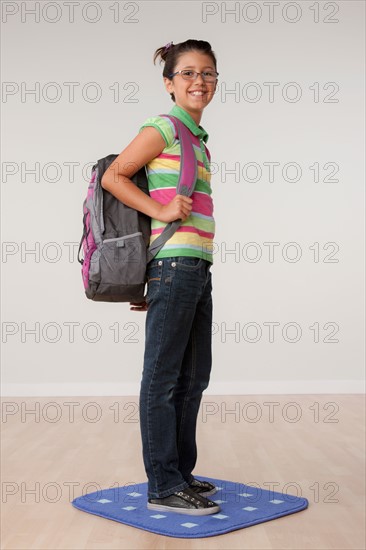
(203, 488)
(184, 502)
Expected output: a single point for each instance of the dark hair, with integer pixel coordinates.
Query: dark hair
(171, 55)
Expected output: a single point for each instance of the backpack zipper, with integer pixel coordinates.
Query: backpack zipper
(125, 237)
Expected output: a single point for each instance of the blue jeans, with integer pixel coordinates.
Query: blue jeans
(177, 366)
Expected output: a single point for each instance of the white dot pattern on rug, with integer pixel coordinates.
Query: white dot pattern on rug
(240, 506)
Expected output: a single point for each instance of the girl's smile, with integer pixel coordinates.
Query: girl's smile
(197, 93)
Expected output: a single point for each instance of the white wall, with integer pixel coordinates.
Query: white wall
(317, 299)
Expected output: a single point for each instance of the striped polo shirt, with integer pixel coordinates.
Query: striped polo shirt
(195, 235)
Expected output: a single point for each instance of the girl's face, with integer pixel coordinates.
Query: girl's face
(183, 89)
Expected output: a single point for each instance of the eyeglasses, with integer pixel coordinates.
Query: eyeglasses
(187, 74)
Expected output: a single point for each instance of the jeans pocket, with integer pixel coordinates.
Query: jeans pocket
(188, 263)
(153, 279)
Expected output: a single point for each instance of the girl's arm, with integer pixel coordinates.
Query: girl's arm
(148, 144)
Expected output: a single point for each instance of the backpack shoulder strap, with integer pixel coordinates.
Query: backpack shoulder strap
(188, 163)
(173, 121)
(186, 182)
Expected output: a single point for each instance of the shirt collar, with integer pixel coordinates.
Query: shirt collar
(189, 122)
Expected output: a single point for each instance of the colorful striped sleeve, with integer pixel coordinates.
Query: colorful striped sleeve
(164, 126)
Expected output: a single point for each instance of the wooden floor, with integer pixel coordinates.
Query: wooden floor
(54, 449)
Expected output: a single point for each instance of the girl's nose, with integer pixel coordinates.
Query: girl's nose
(199, 76)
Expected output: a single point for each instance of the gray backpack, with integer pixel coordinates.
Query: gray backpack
(115, 239)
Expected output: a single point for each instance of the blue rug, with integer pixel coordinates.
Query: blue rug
(241, 506)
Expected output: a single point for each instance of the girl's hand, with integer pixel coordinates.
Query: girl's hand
(178, 208)
(140, 306)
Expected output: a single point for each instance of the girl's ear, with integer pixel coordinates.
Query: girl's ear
(168, 85)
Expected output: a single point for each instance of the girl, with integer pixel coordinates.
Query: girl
(177, 358)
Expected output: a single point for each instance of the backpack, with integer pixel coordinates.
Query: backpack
(115, 238)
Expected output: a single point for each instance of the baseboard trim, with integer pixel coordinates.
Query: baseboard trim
(242, 387)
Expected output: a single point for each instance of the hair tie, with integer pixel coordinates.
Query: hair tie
(168, 46)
